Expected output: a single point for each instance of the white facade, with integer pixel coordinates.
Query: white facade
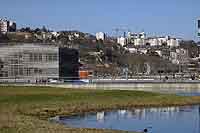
(139, 42)
(162, 40)
(132, 35)
(132, 50)
(173, 42)
(122, 41)
(6, 26)
(3, 26)
(137, 38)
(100, 36)
(179, 56)
(159, 41)
(142, 35)
(153, 42)
(174, 57)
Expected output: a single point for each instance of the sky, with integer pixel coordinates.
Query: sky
(156, 17)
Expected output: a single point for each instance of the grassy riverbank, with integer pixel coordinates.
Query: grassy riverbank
(26, 109)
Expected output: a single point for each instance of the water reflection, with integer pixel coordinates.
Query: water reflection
(148, 113)
(188, 94)
(100, 116)
(163, 120)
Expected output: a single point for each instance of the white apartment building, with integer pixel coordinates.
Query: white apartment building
(153, 41)
(163, 40)
(7, 26)
(173, 42)
(100, 36)
(159, 41)
(179, 56)
(137, 38)
(142, 35)
(3, 26)
(139, 42)
(122, 41)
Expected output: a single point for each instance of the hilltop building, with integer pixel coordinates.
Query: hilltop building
(160, 41)
(140, 39)
(137, 39)
(179, 56)
(122, 41)
(7, 26)
(100, 36)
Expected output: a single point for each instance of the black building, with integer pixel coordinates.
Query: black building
(68, 64)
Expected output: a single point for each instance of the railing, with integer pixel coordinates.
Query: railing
(100, 80)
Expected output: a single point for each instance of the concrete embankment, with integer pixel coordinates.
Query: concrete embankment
(155, 86)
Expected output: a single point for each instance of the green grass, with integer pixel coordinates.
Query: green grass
(26, 109)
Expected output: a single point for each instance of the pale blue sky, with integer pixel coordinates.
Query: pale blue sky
(156, 17)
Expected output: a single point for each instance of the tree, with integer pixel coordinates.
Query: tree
(99, 47)
(164, 44)
(108, 53)
(148, 44)
(37, 30)
(26, 29)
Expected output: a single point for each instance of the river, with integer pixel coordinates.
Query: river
(185, 119)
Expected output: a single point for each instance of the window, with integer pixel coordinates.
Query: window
(40, 57)
(35, 57)
(31, 57)
(55, 57)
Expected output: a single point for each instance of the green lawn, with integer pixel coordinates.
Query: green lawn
(26, 109)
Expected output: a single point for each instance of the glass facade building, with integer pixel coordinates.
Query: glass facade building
(29, 61)
(37, 62)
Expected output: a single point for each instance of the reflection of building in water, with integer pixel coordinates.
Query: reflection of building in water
(167, 109)
(138, 112)
(125, 113)
(146, 113)
(100, 116)
(165, 112)
(122, 112)
(130, 114)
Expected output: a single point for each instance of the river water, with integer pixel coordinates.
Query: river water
(184, 119)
